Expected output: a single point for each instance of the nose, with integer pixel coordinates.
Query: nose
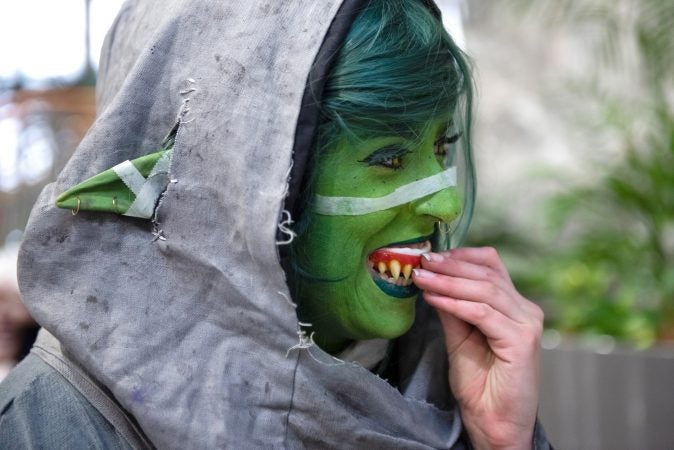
(444, 205)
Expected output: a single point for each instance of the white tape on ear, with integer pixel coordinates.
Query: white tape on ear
(148, 190)
(356, 206)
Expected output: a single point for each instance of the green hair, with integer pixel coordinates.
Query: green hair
(397, 72)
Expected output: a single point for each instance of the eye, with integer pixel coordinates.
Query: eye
(390, 157)
(444, 144)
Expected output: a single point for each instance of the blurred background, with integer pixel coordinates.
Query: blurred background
(575, 157)
(48, 61)
(575, 153)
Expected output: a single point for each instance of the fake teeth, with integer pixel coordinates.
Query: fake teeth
(407, 271)
(394, 267)
(394, 264)
(393, 272)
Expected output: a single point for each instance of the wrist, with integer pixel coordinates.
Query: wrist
(495, 440)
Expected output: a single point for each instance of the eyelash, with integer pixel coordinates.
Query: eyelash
(442, 144)
(394, 163)
(389, 157)
(392, 157)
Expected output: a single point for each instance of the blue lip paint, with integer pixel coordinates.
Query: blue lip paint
(396, 291)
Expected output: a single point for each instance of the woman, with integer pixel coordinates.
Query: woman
(181, 332)
(386, 126)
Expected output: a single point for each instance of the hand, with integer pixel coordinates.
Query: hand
(492, 335)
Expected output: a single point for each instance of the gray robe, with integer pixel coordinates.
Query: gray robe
(185, 322)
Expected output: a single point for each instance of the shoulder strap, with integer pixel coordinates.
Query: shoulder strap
(48, 348)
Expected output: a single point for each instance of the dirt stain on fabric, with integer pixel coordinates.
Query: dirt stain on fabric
(231, 68)
(93, 300)
(269, 10)
(138, 395)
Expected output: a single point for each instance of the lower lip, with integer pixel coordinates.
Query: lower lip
(396, 291)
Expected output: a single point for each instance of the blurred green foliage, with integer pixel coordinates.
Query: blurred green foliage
(614, 272)
(606, 263)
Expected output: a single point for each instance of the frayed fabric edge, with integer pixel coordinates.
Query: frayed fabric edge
(157, 232)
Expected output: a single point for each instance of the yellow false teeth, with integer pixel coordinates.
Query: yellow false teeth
(395, 269)
(382, 267)
(407, 271)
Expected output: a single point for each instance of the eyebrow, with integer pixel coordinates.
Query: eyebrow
(386, 152)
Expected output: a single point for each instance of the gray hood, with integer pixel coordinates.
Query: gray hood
(187, 319)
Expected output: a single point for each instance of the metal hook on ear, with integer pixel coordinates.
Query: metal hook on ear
(75, 211)
(114, 204)
(443, 236)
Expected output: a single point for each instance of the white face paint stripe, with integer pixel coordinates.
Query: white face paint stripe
(356, 206)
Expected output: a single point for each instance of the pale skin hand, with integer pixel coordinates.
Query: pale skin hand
(492, 335)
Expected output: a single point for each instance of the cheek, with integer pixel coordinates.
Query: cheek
(336, 246)
(344, 234)
(362, 229)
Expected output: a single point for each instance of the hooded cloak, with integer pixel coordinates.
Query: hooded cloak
(185, 320)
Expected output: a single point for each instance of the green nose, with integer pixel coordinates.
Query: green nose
(444, 205)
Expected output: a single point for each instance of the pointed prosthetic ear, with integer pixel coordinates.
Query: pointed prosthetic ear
(131, 188)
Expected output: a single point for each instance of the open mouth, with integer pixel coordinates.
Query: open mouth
(391, 267)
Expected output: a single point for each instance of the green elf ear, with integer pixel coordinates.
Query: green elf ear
(131, 188)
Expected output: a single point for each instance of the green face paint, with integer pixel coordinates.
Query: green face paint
(348, 264)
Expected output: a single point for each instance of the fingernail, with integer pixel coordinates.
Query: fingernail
(421, 273)
(433, 257)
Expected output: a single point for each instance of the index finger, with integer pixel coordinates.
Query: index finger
(483, 256)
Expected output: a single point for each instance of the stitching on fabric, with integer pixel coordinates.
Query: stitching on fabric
(287, 299)
(285, 221)
(157, 232)
(284, 227)
(286, 190)
(292, 397)
(185, 108)
(304, 340)
(307, 342)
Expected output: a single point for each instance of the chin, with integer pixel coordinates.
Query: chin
(389, 325)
